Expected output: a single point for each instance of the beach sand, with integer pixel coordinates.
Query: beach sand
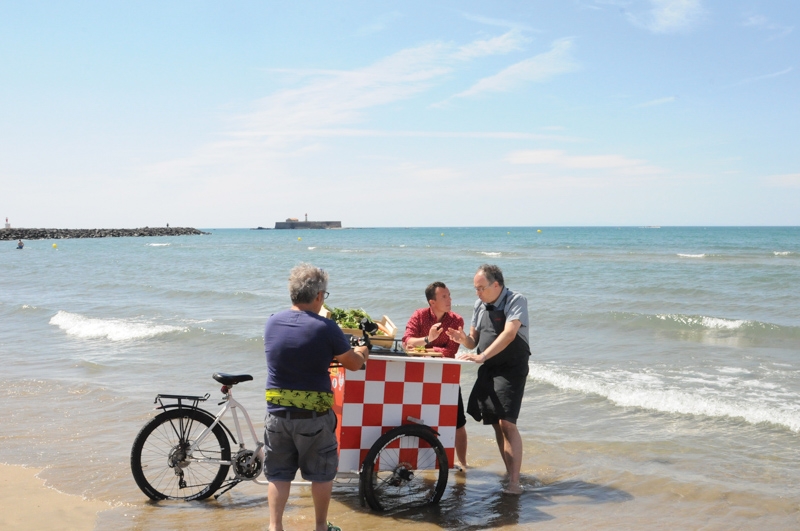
(27, 504)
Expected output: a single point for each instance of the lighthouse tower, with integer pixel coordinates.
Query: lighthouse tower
(8, 225)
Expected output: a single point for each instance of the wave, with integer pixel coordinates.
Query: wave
(158, 244)
(703, 325)
(629, 389)
(692, 255)
(782, 253)
(83, 327)
(487, 253)
(702, 321)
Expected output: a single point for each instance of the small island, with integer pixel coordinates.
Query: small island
(294, 223)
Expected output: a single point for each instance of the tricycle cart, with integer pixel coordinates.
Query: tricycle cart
(396, 431)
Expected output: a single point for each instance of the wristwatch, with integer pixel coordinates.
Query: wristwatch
(427, 343)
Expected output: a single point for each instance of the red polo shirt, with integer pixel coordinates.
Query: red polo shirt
(420, 324)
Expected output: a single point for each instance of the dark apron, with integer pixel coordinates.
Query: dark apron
(498, 391)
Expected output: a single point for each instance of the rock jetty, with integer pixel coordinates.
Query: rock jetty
(60, 234)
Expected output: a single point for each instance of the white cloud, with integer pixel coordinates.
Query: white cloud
(560, 159)
(761, 78)
(669, 16)
(510, 41)
(496, 22)
(378, 24)
(538, 68)
(660, 101)
(761, 22)
(329, 103)
(787, 180)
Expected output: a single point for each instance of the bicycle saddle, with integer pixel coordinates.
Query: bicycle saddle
(231, 379)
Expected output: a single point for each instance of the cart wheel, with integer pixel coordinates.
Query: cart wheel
(406, 467)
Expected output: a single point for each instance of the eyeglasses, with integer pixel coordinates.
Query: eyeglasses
(480, 289)
(326, 294)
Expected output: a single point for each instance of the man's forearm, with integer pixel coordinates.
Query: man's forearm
(416, 341)
(470, 342)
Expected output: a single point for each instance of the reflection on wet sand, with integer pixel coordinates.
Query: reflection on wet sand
(476, 501)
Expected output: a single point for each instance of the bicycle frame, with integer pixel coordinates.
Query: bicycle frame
(244, 459)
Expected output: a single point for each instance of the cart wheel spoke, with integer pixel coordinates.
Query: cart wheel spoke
(406, 467)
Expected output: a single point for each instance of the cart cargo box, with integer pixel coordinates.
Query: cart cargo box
(378, 340)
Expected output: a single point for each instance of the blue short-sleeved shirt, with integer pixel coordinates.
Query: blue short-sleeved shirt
(515, 306)
(300, 347)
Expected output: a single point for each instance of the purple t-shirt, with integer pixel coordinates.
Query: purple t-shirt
(300, 347)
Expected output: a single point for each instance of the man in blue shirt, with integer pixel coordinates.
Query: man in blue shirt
(300, 426)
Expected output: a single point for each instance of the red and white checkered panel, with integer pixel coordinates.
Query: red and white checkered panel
(369, 403)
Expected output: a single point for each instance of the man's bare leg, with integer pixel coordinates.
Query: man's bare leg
(501, 444)
(461, 446)
(512, 455)
(278, 495)
(321, 492)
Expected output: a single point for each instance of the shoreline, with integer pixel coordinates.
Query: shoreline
(27, 503)
(61, 234)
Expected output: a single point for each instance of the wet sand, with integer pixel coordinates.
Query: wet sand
(26, 503)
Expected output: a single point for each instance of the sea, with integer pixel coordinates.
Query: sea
(664, 386)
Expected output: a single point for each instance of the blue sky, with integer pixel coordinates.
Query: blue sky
(413, 113)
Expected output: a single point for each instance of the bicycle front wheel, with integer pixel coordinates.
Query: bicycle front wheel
(165, 467)
(406, 467)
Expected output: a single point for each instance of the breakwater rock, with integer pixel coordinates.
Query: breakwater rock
(59, 234)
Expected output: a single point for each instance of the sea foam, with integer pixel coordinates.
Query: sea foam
(702, 321)
(113, 329)
(627, 389)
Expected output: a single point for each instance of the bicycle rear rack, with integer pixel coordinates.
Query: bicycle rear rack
(195, 400)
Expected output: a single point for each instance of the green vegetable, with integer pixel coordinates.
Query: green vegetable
(349, 318)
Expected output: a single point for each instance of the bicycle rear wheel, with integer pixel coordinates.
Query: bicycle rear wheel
(162, 465)
(406, 467)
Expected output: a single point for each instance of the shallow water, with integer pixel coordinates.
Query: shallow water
(664, 389)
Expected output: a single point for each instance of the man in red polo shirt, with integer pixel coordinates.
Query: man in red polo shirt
(426, 328)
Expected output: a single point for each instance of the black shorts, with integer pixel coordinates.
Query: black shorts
(497, 394)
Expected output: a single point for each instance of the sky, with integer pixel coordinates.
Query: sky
(414, 113)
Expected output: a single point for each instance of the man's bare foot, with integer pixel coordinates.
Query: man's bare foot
(513, 489)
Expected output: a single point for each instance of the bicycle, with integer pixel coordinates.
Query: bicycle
(187, 442)
(186, 453)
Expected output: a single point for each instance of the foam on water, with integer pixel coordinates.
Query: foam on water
(158, 244)
(693, 321)
(629, 389)
(704, 325)
(691, 255)
(83, 327)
